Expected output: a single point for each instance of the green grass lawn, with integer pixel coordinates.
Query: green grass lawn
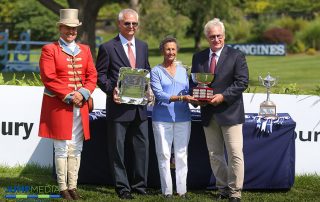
(306, 188)
(302, 70)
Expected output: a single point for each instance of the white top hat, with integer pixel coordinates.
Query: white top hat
(69, 17)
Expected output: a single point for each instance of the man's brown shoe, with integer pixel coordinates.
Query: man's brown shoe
(65, 195)
(74, 194)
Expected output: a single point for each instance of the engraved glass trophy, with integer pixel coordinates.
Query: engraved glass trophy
(267, 107)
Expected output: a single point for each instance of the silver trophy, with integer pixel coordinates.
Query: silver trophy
(202, 92)
(134, 86)
(267, 107)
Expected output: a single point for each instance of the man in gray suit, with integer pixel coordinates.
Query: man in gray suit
(125, 51)
(223, 116)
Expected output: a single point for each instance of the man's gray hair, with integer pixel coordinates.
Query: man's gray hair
(215, 22)
(127, 11)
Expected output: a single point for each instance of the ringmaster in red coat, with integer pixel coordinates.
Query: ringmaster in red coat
(69, 76)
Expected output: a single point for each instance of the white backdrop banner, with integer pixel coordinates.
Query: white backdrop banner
(20, 108)
(305, 111)
(19, 118)
(20, 112)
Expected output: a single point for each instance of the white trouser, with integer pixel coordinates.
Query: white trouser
(73, 147)
(178, 133)
(68, 154)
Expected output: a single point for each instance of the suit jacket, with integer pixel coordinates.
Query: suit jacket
(231, 79)
(60, 78)
(111, 57)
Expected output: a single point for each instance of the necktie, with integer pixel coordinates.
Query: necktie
(132, 60)
(213, 63)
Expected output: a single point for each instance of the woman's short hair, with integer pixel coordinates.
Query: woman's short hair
(166, 40)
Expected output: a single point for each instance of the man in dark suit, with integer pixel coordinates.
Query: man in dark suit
(223, 116)
(124, 51)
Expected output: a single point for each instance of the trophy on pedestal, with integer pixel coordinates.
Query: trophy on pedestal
(267, 107)
(202, 92)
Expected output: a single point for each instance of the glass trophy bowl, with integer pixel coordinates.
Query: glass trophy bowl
(133, 85)
(202, 92)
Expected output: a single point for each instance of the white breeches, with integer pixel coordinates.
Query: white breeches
(73, 147)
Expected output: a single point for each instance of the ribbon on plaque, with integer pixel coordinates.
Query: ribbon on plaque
(265, 124)
(96, 114)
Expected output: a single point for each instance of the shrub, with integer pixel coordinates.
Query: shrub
(316, 90)
(297, 47)
(311, 51)
(286, 22)
(239, 31)
(291, 89)
(278, 35)
(311, 34)
(22, 79)
(1, 79)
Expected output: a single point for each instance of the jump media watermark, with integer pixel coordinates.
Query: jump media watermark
(32, 192)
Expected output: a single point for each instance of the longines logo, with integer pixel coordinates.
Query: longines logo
(16, 129)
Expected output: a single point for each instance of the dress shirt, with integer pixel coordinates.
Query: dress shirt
(124, 43)
(217, 56)
(71, 45)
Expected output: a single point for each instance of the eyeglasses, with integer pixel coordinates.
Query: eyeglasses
(129, 24)
(213, 37)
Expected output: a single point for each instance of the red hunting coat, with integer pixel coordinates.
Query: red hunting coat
(61, 78)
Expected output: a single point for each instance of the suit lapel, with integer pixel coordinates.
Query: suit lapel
(205, 61)
(139, 57)
(120, 51)
(222, 58)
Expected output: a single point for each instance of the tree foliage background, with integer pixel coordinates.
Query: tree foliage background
(245, 20)
(30, 15)
(159, 19)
